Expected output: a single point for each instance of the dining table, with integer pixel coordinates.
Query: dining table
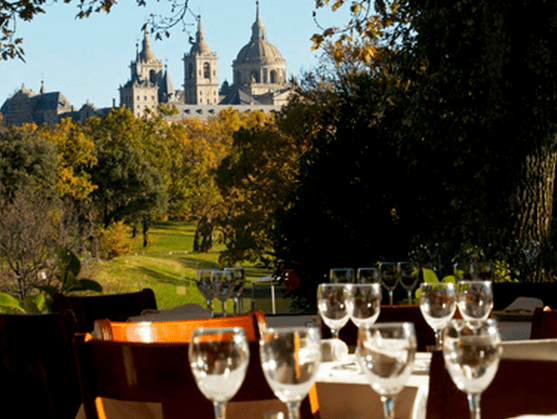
(342, 389)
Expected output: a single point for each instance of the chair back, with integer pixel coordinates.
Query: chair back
(37, 369)
(391, 313)
(520, 387)
(116, 307)
(544, 323)
(154, 372)
(177, 330)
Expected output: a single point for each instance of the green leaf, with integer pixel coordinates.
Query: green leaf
(9, 302)
(68, 262)
(429, 275)
(34, 304)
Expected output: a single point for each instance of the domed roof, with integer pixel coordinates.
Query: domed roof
(146, 53)
(258, 50)
(200, 47)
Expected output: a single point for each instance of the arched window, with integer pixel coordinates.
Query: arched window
(190, 71)
(273, 76)
(206, 70)
(254, 76)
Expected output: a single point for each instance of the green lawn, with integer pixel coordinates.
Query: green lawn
(168, 266)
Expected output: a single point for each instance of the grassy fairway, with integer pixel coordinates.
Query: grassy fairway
(168, 266)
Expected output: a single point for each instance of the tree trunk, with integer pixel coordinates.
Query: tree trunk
(535, 198)
(203, 240)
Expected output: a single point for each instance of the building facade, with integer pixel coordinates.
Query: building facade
(259, 83)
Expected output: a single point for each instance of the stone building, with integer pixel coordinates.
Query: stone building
(259, 83)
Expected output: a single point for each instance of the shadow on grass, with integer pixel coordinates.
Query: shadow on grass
(161, 277)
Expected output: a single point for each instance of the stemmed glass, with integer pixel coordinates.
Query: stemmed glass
(224, 281)
(472, 358)
(332, 305)
(290, 357)
(438, 305)
(386, 354)
(206, 286)
(364, 304)
(341, 275)
(388, 273)
(219, 359)
(408, 275)
(239, 275)
(475, 301)
(367, 276)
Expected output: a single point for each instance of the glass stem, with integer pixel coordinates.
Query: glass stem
(474, 405)
(335, 333)
(438, 339)
(391, 297)
(388, 407)
(210, 306)
(223, 303)
(293, 410)
(220, 410)
(409, 297)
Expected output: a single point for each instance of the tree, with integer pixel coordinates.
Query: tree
(254, 180)
(479, 116)
(25, 162)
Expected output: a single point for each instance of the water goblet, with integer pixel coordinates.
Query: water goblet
(290, 358)
(332, 305)
(239, 275)
(475, 301)
(224, 281)
(472, 358)
(341, 275)
(206, 287)
(386, 352)
(465, 271)
(367, 276)
(364, 304)
(388, 273)
(219, 359)
(438, 305)
(408, 275)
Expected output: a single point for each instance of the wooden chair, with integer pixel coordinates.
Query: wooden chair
(520, 387)
(38, 375)
(177, 331)
(544, 323)
(157, 372)
(116, 307)
(394, 313)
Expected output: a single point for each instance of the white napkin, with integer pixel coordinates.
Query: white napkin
(333, 350)
(523, 305)
(184, 312)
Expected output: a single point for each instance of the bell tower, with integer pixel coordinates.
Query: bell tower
(201, 86)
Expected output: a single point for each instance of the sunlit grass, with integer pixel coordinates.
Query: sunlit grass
(168, 266)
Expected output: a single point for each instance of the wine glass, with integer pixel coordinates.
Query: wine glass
(388, 273)
(408, 275)
(475, 301)
(290, 357)
(438, 305)
(465, 271)
(224, 281)
(341, 275)
(364, 303)
(367, 276)
(239, 275)
(206, 286)
(385, 352)
(332, 306)
(219, 359)
(472, 358)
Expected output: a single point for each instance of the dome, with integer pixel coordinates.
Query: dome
(258, 50)
(200, 47)
(146, 53)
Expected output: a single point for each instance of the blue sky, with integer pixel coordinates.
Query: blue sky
(89, 59)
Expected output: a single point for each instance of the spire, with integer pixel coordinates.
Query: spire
(42, 87)
(200, 46)
(258, 29)
(146, 54)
